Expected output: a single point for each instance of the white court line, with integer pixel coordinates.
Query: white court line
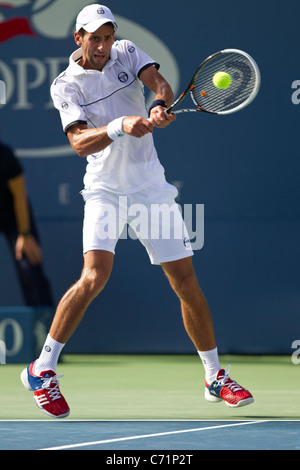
(92, 420)
(88, 420)
(144, 436)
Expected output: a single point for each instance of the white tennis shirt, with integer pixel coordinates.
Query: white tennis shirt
(128, 164)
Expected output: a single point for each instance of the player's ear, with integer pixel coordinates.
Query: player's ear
(78, 39)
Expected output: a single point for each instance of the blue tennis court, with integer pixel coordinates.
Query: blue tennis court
(179, 435)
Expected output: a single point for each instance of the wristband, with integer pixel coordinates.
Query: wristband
(114, 129)
(157, 103)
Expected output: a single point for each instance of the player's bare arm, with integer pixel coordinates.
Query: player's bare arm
(88, 141)
(153, 80)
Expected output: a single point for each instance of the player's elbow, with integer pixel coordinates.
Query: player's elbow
(78, 146)
(76, 136)
(80, 150)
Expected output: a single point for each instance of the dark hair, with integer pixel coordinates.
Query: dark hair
(81, 32)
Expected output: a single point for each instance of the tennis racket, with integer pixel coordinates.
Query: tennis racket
(244, 86)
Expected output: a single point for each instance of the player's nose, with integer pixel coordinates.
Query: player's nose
(100, 46)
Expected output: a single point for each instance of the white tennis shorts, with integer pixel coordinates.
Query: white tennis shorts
(150, 215)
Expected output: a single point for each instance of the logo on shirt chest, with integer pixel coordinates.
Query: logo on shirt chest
(123, 77)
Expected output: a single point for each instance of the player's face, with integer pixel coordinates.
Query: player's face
(96, 47)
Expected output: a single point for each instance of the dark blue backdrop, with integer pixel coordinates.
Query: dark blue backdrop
(244, 168)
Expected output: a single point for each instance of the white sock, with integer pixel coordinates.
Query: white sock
(48, 357)
(210, 361)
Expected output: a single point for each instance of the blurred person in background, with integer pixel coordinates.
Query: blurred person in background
(18, 226)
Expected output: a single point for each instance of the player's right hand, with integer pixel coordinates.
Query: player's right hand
(137, 126)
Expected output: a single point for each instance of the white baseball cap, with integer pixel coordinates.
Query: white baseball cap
(93, 16)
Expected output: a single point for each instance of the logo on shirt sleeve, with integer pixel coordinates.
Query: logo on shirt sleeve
(123, 77)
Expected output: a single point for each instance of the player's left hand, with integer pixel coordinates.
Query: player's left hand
(160, 118)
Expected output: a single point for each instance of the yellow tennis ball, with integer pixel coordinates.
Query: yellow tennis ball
(222, 80)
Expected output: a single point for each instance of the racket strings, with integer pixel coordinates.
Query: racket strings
(244, 80)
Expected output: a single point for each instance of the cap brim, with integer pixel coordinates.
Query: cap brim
(94, 25)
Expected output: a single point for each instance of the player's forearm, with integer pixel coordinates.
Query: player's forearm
(165, 94)
(88, 141)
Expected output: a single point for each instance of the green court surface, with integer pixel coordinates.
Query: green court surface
(157, 387)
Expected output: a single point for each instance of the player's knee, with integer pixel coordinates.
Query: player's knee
(95, 280)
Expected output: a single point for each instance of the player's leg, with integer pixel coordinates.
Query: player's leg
(72, 307)
(40, 377)
(195, 311)
(95, 274)
(101, 212)
(161, 229)
(198, 324)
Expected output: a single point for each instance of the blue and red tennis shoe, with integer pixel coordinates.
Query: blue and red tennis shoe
(226, 389)
(46, 391)
(49, 399)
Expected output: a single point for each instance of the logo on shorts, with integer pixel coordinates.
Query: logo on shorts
(123, 77)
(131, 49)
(187, 242)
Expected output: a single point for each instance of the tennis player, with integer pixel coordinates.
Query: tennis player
(101, 103)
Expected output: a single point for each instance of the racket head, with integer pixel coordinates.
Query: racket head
(241, 92)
